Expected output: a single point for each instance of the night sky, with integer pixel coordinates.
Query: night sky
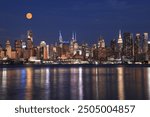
(88, 18)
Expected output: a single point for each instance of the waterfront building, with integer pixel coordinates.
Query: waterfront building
(14, 54)
(94, 52)
(101, 50)
(101, 43)
(121, 50)
(145, 43)
(29, 43)
(148, 50)
(85, 52)
(30, 35)
(64, 48)
(137, 47)
(113, 49)
(128, 46)
(51, 52)
(145, 46)
(73, 45)
(44, 50)
(18, 48)
(8, 49)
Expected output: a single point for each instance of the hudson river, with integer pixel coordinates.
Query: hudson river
(75, 83)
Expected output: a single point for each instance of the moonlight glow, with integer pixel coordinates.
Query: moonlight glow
(29, 16)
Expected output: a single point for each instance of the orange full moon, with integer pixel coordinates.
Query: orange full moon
(29, 16)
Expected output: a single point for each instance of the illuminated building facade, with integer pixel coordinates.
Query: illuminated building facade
(128, 45)
(120, 51)
(18, 48)
(8, 49)
(120, 45)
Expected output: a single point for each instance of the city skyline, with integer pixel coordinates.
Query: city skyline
(73, 34)
(127, 49)
(89, 19)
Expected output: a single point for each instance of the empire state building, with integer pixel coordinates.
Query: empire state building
(120, 44)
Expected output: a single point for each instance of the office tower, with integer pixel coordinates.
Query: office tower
(94, 51)
(65, 50)
(145, 47)
(48, 51)
(113, 45)
(128, 45)
(137, 45)
(145, 42)
(73, 45)
(64, 47)
(35, 52)
(43, 50)
(148, 50)
(29, 44)
(14, 54)
(120, 45)
(101, 50)
(85, 51)
(18, 48)
(101, 43)
(113, 49)
(8, 49)
(30, 35)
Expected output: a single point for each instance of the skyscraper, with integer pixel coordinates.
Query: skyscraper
(128, 45)
(30, 35)
(73, 45)
(18, 48)
(101, 49)
(8, 49)
(137, 45)
(60, 38)
(145, 43)
(120, 45)
(29, 43)
(145, 46)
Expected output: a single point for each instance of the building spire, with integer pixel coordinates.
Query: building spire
(73, 36)
(120, 37)
(60, 37)
(30, 35)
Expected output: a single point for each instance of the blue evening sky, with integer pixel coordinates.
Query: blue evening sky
(88, 18)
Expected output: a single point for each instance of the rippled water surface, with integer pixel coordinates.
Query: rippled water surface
(75, 83)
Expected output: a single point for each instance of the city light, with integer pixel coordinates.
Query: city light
(127, 49)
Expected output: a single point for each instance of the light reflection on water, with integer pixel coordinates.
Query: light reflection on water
(79, 83)
(120, 83)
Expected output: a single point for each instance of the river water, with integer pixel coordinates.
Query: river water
(75, 83)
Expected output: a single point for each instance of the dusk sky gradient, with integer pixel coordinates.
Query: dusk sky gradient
(88, 18)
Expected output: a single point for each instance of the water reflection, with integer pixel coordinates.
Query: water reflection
(80, 84)
(148, 83)
(47, 83)
(120, 83)
(92, 83)
(4, 83)
(4, 78)
(29, 84)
